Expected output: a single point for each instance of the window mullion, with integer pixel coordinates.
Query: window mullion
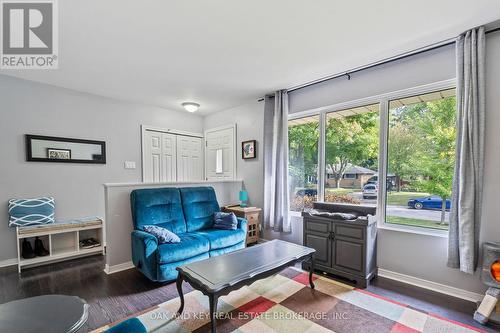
(382, 167)
(321, 157)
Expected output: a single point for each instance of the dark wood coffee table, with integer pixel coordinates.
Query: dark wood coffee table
(220, 275)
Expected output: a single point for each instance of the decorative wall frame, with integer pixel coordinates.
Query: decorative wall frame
(249, 149)
(40, 148)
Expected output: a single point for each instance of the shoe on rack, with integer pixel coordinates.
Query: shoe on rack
(85, 244)
(39, 248)
(27, 251)
(94, 242)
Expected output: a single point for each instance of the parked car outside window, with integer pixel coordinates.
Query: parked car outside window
(431, 202)
(311, 192)
(370, 191)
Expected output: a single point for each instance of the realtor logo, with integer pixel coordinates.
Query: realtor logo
(29, 34)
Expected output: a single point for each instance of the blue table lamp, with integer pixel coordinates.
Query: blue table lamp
(243, 198)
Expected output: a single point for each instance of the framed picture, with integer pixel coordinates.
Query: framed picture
(58, 154)
(249, 149)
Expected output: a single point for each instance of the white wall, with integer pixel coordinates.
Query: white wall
(249, 120)
(31, 108)
(429, 67)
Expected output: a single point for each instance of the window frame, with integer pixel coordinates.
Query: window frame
(383, 100)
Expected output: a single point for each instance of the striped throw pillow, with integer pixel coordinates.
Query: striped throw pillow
(24, 212)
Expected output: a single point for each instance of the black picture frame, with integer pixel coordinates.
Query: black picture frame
(254, 144)
(29, 152)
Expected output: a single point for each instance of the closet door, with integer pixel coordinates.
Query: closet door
(189, 158)
(152, 156)
(159, 157)
(169, 158)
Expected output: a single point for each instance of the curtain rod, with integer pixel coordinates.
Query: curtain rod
(404, 55)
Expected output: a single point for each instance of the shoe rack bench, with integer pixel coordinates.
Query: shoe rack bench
(61, 239)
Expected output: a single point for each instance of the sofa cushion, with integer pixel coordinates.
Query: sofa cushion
(162, 234)
(199, 205)
(225, 221)
(191, 244)
(223, 238)
(158, 206)
(24, 212)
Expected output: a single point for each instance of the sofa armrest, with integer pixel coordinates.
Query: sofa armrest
(144, 246)
(242, 224)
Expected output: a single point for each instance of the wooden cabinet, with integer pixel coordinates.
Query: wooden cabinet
(252, 215)
(343, 248)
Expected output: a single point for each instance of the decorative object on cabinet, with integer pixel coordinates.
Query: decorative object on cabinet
(252, 215)
(64, 239)
(41, 148)
(243, 198)
(346, 248)
(249, 149)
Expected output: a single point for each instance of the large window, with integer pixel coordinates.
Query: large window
(351, 155)
(421, 159)
(416, 149)
(303, 138)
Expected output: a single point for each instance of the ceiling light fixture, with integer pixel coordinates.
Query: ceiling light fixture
(191, 106)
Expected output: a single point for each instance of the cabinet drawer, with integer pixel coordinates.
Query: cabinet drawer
(347, 231)
(317, 226)
(253, 218)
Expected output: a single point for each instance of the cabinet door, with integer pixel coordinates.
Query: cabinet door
(322, 245)
(189, 158)
(348, 256)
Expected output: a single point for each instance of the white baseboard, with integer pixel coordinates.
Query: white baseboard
(118, 268)
(434, 286)
(8, 262)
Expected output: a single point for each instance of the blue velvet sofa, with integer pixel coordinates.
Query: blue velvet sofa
(188, 212)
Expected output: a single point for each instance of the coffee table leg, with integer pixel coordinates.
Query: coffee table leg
(181, 295)
(311, 271)
(213, 308)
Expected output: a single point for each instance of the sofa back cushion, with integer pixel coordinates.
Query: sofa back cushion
(199, 205)
(158, 206)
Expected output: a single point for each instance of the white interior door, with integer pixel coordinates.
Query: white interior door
(159, 157)
(220, 153)
(189, 158)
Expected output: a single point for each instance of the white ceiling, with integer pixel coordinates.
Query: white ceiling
(226, 53)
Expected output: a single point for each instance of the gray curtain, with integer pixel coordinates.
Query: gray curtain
(276, 196)
(465, 215)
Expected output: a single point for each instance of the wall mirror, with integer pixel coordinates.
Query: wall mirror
(54, 149)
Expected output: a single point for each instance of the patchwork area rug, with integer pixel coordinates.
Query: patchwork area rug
(285, 303)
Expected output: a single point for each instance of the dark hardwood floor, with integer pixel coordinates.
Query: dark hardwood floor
(114, 297)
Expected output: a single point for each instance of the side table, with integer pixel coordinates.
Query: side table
(252, 215)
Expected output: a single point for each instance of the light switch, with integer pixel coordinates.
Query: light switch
(129, 165)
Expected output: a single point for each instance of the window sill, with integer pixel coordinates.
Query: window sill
(413, 230)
